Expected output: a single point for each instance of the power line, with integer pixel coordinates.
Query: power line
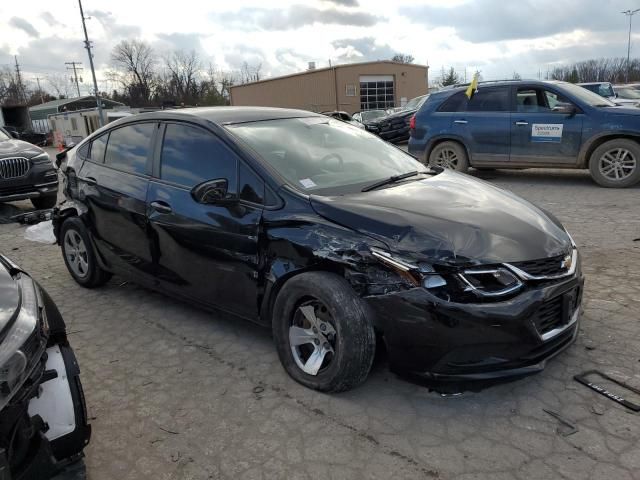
(630, 14)
(87, 45)
(75, 67)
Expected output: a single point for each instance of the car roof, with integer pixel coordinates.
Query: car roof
(220, 115)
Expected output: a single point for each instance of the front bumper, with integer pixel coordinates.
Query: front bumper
(457, 342)
(40, 181)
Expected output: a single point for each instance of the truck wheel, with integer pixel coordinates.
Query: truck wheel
(449, 155)
(79, 256)
(323, 334)
(41, 203)
(616, 163)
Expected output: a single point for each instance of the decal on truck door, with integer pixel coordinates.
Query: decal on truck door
(546, 132)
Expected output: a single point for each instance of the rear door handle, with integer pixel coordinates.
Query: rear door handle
(90, 181)
(462, 122)
(521, 122)
(161, 207)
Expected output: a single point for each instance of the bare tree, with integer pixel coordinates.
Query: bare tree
(250, 73)
(59, 84)
(182, 75)
(598, 70)
(402, 58)
(134, 62)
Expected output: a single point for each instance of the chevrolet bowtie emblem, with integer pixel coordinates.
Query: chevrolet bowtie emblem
(566, 262)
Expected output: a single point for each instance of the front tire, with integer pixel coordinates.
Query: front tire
(323, 333)
(450, 155)
(79, 256)
(616, 163)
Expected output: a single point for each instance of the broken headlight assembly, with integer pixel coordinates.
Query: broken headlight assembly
(14, 357)
(453, 285)
(41, 158)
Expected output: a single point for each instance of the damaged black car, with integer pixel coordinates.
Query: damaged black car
(335, 239)
(43, 419)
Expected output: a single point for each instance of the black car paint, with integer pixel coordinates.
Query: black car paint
(25, 452)
(40, 180)
(237, 256)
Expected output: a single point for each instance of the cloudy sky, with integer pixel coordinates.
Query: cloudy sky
(497, 37)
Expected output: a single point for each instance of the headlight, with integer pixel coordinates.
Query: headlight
(420, 274)
(13, 362)
(491, 282)
(41, 158)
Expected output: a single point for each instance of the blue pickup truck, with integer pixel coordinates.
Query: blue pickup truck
(529, 124)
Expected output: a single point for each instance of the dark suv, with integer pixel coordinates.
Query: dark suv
(528, 124)
(26, 172)
(327, 234)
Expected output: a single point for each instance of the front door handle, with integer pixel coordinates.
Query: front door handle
(161, 207)
(521, 122)
(462, 122)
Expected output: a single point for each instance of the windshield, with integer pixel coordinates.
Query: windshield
(415, 103)
(322, 155)
(3, 136)
(372, 115)
(628, 93)
(585, 95)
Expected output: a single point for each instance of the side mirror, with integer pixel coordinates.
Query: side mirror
(563, 107)
(212, 192)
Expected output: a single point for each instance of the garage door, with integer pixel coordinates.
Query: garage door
(376, 91)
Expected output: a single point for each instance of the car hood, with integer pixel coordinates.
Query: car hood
(13, 147)
(400, 114)
(9, 297)
(450, 218)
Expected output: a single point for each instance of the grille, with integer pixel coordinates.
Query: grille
(549, 316)
(543, 267)
(13, 167)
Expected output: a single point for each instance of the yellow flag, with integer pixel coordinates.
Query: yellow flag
(472, 87)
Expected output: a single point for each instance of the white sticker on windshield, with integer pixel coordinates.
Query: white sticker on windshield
(307, 183)
(546, 132)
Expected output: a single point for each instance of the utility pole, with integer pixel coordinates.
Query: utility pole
(630, 14)
(21, 94)
(75, 67)
(37, 79)
(87, 45)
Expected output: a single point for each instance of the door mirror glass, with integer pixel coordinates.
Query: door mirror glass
(212, 192)
(564, 107)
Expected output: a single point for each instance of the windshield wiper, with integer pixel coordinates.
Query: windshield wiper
(391, 179)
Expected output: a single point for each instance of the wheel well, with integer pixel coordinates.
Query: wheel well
(599, 141)
(442, 140)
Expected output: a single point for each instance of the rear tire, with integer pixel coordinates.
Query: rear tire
(341, 323)
(42, 203)
(450, 155)
(78, 254)
(616, 163)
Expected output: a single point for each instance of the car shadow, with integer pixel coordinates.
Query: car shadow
(542, 177)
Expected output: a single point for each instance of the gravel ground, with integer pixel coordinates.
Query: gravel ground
(178, 393)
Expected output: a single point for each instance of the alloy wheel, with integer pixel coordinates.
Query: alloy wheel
(617, 164)
(312, 337)
(76, 252)
(447, 158)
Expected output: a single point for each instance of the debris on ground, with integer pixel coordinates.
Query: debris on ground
(33, 217)
(582, 378)
(41, 232)
(571, 428)
(597, 409)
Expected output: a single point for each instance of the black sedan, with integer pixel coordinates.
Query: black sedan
(43, 419)
(328, 235)
(395, 127)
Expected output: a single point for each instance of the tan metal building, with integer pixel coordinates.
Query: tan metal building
(351, 87)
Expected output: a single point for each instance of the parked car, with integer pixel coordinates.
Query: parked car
(606, 90)
(368, 115)
(627, 94)
(345, 117)
(327, 234)
(43, 418)
(395, 127)
(529, 124)
(26, 172)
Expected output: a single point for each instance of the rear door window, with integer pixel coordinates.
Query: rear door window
(192, 155)
(129, 147)
(455, 103)
(489, 100)
(98, 147)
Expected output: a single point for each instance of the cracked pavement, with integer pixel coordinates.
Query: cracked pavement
(175, 392)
